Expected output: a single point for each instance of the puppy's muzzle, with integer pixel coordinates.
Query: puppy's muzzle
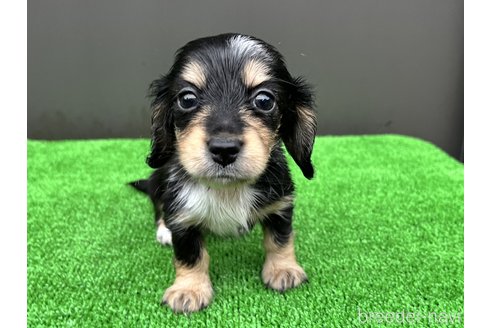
(224, 151)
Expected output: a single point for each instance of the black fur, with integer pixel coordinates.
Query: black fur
(226, 96)
(141, 185)
(225, 90)
(273, 184)
(280, 225)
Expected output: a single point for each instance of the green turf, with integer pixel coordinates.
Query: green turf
(379, 229)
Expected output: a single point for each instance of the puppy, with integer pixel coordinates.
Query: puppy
(218, 122)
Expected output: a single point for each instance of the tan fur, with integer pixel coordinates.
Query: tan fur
(258, 144)
(192, 289)
(281, 270)
(254, 73)
(306, 127)
(192, 146)
(192, 143)
(256, 152)
(194, 73)
(267, 136)
(275, 207)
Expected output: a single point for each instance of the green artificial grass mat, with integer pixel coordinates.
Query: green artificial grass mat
(379, 229)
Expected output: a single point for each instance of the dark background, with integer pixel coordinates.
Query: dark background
(378, 66)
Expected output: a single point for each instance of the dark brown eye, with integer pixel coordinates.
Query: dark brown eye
(264, 101)
(187, 101)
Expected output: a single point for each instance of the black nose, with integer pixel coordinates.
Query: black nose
(224, 151)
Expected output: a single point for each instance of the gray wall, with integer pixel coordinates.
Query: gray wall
(379, 66)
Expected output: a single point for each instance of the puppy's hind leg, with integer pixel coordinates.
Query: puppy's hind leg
(163, 234)
(147, 186)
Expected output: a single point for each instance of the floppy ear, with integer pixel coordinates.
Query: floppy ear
(298, 126)
(163, 137)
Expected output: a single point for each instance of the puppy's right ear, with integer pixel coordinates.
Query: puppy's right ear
(163, 137)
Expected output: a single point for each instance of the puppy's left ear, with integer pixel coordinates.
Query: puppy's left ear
(298, 126)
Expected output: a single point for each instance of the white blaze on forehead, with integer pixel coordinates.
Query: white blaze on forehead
(242, 44)
(255, 70)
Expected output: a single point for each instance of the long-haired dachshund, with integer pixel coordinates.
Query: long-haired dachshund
(219, 118)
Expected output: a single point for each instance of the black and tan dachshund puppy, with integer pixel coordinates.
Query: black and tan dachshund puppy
(219, 119)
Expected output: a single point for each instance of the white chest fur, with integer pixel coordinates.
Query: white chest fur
(223, 211)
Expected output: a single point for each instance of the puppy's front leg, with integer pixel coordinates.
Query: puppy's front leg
(281, 270)
(192, 289)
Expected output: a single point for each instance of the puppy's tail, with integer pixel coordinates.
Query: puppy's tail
(141, 185)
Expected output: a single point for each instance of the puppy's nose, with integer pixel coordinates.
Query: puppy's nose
(224, 151)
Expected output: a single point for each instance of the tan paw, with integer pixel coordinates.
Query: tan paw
(186, 299)
(283, 278)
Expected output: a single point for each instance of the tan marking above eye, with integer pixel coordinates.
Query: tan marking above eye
(254, 73)
(194, 73)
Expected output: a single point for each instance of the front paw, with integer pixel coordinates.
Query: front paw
(186, 298)
(282, 278)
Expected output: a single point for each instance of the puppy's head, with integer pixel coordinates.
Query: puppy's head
(223, 106)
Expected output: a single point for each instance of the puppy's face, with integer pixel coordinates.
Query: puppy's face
(226, 102)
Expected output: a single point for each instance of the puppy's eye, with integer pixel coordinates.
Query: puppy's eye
(187, 101)
(264, 101)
